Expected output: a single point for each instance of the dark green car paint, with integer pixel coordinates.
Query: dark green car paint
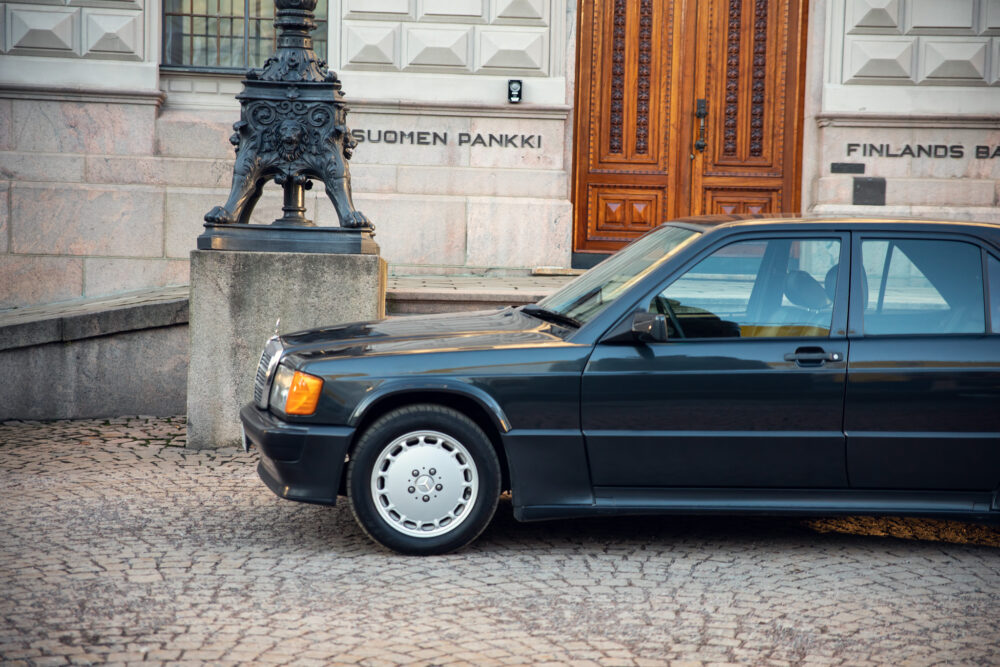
(896, 424)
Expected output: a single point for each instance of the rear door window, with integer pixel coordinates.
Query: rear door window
(922, 286)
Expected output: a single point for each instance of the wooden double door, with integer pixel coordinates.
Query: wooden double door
(685, 107)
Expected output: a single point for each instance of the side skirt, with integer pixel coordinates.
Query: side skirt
(632, 501)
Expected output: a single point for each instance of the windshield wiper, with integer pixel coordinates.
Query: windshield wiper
(551, 316)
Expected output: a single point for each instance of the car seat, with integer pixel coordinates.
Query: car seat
(810, 310)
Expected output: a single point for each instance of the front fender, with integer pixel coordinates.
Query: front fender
(441, 385)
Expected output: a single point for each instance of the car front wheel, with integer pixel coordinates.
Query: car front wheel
(423, 479)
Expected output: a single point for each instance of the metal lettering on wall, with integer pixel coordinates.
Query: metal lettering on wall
(932, 151)
(433, 138)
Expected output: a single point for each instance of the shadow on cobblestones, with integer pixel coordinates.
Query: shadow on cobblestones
(927, 530)
(671, 528)
(121, 546)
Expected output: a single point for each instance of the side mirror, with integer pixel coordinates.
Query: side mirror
(649, 327)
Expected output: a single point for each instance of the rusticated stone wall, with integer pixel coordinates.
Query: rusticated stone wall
(101, 197)
(69, 227)
(903, 96)
(108, 164)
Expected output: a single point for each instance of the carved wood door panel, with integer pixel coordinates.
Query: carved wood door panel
(749, 73)
(642, 67)
(626, 134)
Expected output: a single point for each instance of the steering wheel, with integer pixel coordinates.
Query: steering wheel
(663, 307)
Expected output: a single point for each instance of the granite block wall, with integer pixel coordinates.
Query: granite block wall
(907, 93)
(108, 162)
(99, 198)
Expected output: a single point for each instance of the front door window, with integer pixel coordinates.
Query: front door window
(775, 288)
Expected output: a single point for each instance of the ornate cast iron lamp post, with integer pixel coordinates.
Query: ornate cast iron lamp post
(292, 128)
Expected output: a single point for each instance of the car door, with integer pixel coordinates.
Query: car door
(748, 389)
(923, 388)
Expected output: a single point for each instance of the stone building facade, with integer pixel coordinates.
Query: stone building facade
(911, 90)
(110, 155)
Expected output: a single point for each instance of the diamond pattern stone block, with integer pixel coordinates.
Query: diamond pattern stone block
(460, 9)
(991, 16)
(525, 50)
(939, 15)
(39, 27)
(878, 14)
(961, 60)
(440, 47)
(394, 7)
(370, 44)
(107, 31)
(116, 4)
(995, 76)
(879, 59)
(521, 9)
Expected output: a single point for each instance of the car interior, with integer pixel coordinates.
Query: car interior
(919, 286)
(757, 291)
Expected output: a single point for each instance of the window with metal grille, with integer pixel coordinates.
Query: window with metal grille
(226, 34)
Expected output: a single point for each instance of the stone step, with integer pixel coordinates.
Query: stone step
(167, 306)
(411, 295)
(92, 318)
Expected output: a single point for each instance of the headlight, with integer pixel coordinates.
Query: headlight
(295, 392)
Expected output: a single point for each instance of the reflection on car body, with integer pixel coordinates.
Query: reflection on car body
(718, 364)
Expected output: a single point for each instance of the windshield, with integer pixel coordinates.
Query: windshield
(595, 290)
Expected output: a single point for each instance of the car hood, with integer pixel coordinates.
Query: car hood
(424, 333)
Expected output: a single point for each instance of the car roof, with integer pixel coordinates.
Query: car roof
(709, 223)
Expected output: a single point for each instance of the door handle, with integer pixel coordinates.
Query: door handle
(812, 356)
(701, 113)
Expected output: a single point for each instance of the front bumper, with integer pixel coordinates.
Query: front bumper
(297, 462)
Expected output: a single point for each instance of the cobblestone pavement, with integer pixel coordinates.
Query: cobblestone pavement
(118, 545)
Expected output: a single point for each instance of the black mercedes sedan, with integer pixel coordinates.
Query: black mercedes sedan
(716, 365)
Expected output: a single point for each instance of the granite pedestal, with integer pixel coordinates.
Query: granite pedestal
(237, 296)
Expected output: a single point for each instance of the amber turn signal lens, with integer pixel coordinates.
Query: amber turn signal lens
(303, 395)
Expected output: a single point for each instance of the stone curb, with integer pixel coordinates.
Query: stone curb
(78, 320)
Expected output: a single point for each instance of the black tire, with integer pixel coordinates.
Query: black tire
(436, 511)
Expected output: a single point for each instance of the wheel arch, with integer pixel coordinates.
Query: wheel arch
(481, 409)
